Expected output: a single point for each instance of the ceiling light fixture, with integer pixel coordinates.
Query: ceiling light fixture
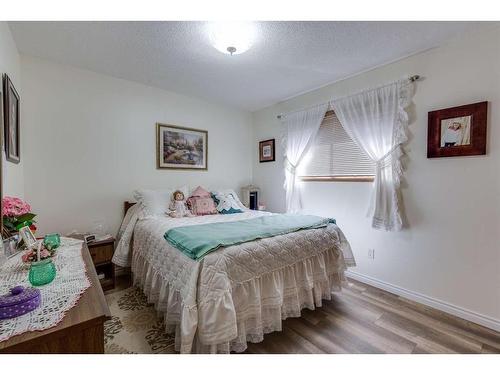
(232, 37)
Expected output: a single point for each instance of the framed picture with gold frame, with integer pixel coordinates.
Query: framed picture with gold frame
(181, 148)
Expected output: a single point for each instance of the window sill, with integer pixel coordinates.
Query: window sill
(368, 178)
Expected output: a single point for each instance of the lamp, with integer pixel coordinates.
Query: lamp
(232, 37)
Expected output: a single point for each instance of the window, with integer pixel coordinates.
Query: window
(335, 157)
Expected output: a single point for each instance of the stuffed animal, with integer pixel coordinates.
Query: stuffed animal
(178, 206)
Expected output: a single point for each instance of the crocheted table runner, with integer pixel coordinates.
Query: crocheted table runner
(57, 297)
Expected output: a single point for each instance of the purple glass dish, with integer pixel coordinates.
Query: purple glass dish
(19, 301)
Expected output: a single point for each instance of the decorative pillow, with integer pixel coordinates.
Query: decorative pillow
(233, 193)
(202, 206)
(200, 192)
(226, 203)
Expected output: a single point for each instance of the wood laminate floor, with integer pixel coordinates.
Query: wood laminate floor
(365, 319)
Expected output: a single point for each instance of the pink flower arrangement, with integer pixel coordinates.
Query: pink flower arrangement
(13, 207)
(16, 214)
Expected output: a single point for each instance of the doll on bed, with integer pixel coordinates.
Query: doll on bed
(178, 206)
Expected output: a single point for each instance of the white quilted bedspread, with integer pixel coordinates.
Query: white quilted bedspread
(234, 294)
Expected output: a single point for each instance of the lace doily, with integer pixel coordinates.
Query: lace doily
(57, 297)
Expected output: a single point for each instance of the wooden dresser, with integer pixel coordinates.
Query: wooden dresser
(81, 330)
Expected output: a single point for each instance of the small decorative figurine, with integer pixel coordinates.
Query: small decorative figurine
(178, 206)
(52, 241)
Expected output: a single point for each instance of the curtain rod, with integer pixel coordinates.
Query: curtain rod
(413, 78)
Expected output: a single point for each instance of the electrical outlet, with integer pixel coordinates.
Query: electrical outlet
(371, 253)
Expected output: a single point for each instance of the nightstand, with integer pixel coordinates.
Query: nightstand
(102, 253)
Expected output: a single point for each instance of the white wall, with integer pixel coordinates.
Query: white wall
(451, 250)
(13, 179)
(90, 140)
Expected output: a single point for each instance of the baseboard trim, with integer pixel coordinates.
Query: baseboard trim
(460, 312)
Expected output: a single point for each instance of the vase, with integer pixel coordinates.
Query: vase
(42, 272)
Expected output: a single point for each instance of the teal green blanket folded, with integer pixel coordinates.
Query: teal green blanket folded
(196, 241)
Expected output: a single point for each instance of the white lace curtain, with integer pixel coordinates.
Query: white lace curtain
(300, 129)
(376, 120)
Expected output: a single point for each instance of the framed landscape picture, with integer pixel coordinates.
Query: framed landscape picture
(181, 148)
(11, 121)
(457, 131)
(266, 151)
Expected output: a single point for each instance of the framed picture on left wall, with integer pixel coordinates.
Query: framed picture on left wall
(1, 167)
(11, 121)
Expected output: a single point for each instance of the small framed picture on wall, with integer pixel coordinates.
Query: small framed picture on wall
(457, 131)
(266, 151)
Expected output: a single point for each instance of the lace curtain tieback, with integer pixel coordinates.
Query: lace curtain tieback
(385, 160)
(290, 167)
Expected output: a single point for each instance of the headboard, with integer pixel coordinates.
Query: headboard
(126, 206)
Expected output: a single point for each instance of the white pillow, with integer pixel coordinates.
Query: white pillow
(156, 202)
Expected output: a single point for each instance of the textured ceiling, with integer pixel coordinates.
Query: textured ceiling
(286, 59)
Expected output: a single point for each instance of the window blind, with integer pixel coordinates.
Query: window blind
(334, 153)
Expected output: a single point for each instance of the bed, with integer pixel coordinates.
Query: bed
(237, 293)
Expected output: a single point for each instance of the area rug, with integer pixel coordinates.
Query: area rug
(135, 326)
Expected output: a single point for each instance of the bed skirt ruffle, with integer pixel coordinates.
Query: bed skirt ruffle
(247, 310)
(179, 317)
